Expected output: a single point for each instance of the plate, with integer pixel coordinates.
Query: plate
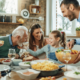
(2, 59)
(4, 67)
(71, 74)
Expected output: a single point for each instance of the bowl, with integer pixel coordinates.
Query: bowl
(71, 75)
(74, 55)
(7, 62)
(24, 65)
(16, 62)
(45, 73)
(29, 76)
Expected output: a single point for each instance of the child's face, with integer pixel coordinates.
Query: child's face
(52, 40)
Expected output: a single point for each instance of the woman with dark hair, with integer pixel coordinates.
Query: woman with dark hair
(57, 41)
(36, 39)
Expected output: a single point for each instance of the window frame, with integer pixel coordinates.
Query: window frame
(51, 19)
(19, 9)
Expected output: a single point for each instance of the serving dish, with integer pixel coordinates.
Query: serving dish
(72, 76)
(24, 65)
(28, 76)
(4, 69)
(60, 53)
(7, 61)
(16, 62)
(47, 73)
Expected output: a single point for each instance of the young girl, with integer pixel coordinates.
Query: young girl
(57, 40)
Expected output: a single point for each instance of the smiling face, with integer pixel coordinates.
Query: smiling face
(68, 12)
(23, 39)
(53, 41)
(37, 34)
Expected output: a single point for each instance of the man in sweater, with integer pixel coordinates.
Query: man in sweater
(14, 41)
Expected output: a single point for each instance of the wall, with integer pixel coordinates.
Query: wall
(7, 29)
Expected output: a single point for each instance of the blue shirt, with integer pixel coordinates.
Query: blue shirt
(78, 18)
(49, 50)
(10, 41)
(78, 40)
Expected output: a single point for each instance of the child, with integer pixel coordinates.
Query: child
(57, 40)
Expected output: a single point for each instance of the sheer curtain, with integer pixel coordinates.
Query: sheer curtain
(50, 16)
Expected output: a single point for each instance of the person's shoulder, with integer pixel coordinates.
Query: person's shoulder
(4, 37)
(61, 47)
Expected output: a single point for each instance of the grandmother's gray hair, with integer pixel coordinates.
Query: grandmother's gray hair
(19, 31)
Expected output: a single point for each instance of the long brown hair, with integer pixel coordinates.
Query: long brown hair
(62, 36)
(32, 40)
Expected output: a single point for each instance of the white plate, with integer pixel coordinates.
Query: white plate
(72, 76)
(4, 67)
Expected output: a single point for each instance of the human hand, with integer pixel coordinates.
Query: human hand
(70, 44)
(78, 58)
(17, 56)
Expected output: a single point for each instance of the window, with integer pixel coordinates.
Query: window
(64, 23)
(55, 19)
(9, 7)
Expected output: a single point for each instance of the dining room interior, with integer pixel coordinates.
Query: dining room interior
(39, 39)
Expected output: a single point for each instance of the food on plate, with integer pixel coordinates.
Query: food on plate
(77, 73)
(28, 73)
(1, 42)
(64, 78)
(7, 60)
(2, 59)
(27, 63)
(48, 78)
(73, 53)
(28, 58)
(45, 66)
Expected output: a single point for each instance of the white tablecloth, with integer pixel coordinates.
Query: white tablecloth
(18, 68)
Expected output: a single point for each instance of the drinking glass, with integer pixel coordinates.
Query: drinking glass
(66, 56)
(12, 54)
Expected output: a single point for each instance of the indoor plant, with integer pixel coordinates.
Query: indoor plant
(60, 29)
(78, 31)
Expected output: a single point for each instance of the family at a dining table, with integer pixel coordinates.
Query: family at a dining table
(37, 43)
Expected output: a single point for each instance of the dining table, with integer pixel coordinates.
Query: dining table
(14, 76)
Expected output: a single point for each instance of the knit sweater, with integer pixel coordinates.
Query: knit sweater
(5, 48)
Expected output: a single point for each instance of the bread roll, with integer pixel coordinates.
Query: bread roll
(28, 58)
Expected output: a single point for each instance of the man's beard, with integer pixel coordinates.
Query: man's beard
(72, 17)
(19, 43)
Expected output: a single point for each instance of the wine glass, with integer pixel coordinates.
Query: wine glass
(12, 54)
(66, 56)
